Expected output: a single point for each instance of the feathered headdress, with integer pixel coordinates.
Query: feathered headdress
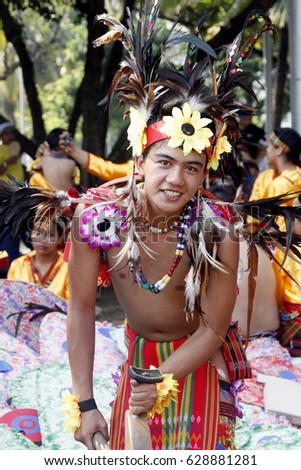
(193, 106)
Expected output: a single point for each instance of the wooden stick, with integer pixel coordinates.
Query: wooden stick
(137, 432)
(99, 442)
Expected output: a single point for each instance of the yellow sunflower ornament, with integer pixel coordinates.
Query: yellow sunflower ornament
(167, 391)
(137, 131)
(222, 145)
(187, 129)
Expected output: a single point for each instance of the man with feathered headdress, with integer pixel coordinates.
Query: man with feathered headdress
(172, 257)
(170, 253)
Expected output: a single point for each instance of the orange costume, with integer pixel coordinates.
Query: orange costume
(16, 169)
(269, 184)
(55, 279)
(107, 170)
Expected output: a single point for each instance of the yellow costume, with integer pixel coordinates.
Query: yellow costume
(289, 302)
(39, 180)
(287, 289)
(56, 278)
(107, 170)
(14, 169)
(269, 184)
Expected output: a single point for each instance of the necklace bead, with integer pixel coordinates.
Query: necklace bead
(182, 235)
(159, 230)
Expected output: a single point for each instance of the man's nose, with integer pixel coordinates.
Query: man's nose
(175, 175)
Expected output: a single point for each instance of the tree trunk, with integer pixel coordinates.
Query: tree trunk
(92, 91)
(282, 70)
(13, 32)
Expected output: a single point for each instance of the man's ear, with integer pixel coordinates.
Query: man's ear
(139, 165)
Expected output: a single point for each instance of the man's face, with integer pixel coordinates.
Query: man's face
(244, 121)
(170, 178)
(45, 240)
(272, 152)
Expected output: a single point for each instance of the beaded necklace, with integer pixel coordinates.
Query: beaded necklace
(172, 226)
(182, 236)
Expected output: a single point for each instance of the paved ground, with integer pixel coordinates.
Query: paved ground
(108, 307)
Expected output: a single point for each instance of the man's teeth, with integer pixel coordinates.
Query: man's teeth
(172, 193)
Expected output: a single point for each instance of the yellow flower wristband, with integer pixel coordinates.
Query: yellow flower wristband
(167, 391)
(73, 409)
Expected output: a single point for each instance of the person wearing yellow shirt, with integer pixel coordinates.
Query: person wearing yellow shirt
(283, 176)
(10, 164)
(284, 172)
(289, 297)
(45, 264)
(10, 153)
(93, 164)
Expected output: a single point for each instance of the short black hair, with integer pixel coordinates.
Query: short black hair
(292, 139)
(53, 137)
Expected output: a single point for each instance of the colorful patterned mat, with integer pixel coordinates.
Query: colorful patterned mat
(34, 370)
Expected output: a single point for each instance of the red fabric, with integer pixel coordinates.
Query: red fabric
(235, 356)
(154, 134)
(189, 423)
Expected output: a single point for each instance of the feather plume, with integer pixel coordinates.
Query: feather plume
(267, 212)
(252, 282)
(190, 294)
(238, 51)
(19, 203)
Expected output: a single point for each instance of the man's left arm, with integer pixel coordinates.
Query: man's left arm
(217, 307)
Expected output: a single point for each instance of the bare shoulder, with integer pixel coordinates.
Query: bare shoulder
(83, 260)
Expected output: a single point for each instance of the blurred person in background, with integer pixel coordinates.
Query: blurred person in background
(10, 164)
(44, 265)
(52, 168)
(93, 164)
(10, 153)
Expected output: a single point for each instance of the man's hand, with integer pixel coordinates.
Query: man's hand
(143, 397)
(92, 422)
(66, 143)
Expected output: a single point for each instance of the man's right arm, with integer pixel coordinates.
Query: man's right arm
(83, 268)
(96, 165)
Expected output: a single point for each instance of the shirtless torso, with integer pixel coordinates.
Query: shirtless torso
(161, 317)
(171, 180)
(59, 172)
(265, 315)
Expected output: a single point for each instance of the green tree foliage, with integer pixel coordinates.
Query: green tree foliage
(65, 77)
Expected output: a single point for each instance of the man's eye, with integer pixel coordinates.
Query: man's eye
(192, 169)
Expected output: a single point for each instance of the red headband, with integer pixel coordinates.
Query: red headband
(154, 134)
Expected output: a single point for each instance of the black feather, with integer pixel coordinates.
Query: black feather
(20, 203)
